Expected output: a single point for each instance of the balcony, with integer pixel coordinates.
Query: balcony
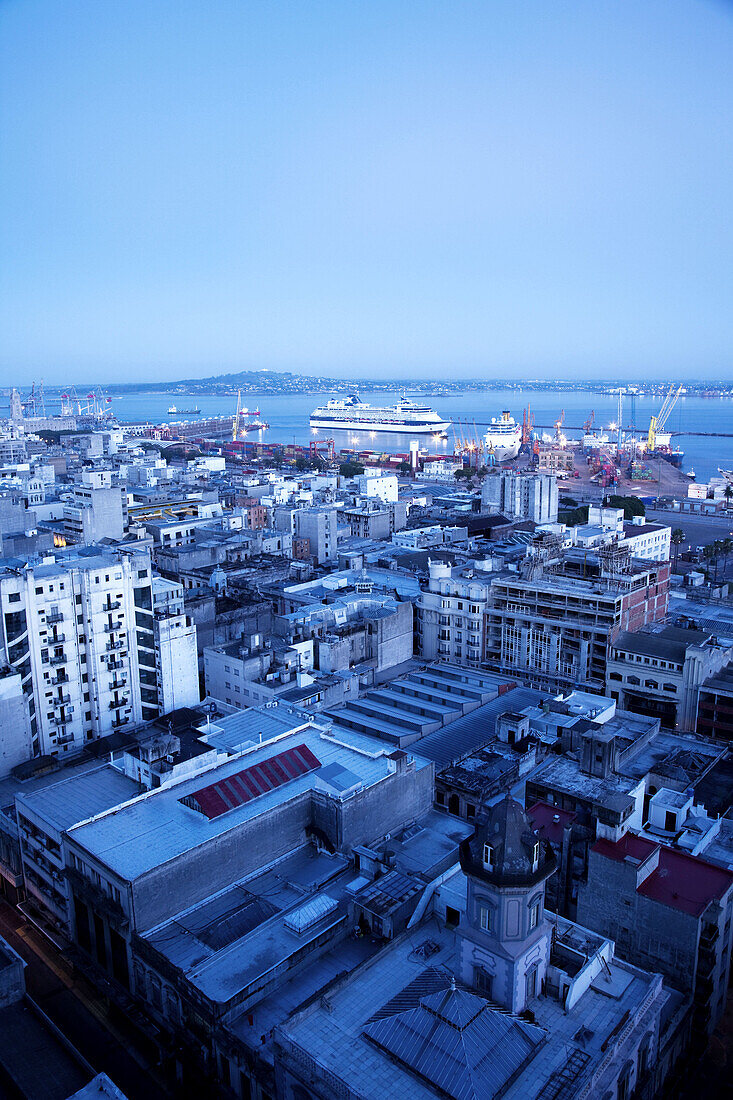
(112, 646)
(56, 639)
(709, 936)
(110, 605)
(58, 659)
(115, 664)
(117, 682)
(119, 722)
(61, 700)
(113, 628)
(61, 678)
(54, 617)
(117, 704)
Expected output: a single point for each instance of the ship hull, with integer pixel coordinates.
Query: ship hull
(504, 448)
(320, 423)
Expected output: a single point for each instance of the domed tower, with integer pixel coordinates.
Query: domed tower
(505, 942)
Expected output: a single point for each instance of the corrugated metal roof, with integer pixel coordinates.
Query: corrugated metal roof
(235, 790)
(473, 730)
(459, 1043)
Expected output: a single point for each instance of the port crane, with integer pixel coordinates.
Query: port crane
(588, 424)
(657, 423)
(558, 425)
(527, 425)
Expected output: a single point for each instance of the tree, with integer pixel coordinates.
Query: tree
(726, 549)
(302, 463)
(677, 538)
(404, 468)
(728, 493)
(350, 468)
(632, 506)
(710, 553)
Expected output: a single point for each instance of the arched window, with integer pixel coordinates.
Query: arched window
(633, 680)
(651, 684)
(615, 676)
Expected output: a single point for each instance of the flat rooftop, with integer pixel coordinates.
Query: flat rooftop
(79, 797)
(157, 826)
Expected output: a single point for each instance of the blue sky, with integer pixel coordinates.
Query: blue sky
(514, 188)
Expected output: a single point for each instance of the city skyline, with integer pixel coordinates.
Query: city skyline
(382, 190)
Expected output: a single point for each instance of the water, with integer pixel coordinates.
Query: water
(288, 416)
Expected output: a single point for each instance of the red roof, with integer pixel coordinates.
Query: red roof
(238, 789)
(542, 815)
(680, 881)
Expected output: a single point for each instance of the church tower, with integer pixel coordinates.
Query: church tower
(505, 943)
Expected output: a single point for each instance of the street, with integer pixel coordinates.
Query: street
(77, 1010)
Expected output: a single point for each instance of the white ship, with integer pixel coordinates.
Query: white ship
(352, 415)
(504, 438)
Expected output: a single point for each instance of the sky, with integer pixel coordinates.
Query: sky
(367, 188)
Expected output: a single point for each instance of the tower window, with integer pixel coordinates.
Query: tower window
(487, 918)
(536, 853)
(488, 856)
(534, 915)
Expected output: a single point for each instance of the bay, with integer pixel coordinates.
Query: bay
(288, 415)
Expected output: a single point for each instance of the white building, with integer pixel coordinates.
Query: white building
(68, 627)
(175, 648)
(522, 493)
(15, 726)
(81, 631)
(383, 486)
(450, 615)
(98, 508)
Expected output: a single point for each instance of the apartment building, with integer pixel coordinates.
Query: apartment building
(522, 493)
(554, 630)
(450, 615)
(320, 527)
(97, 509)
(666, 910)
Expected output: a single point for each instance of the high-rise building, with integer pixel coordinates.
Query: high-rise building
(75, 627)
(521, 493)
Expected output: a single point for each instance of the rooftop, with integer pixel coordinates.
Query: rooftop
(158, 826)
(680, 881)
(78, 797)
(343, 1033)
(669, 644)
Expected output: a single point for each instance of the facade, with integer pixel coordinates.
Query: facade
(450, 615)
(555, 631)
(320, 527)
(661, 673)
(98, 508)
(69, 629)
(524, 494)
(175, 646)
(669, 911)
(715, 705)
(16, 742)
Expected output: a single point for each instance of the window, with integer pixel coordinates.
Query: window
(536, 853)
(14, 597)
(669, 687)
(486, 918)
(483, 981)
(534, 915)
(531, 984)
(488, 856)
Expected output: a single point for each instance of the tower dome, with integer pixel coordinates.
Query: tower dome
(504, 850)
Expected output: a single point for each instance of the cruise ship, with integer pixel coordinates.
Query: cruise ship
(504, 438)
(352, 415)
